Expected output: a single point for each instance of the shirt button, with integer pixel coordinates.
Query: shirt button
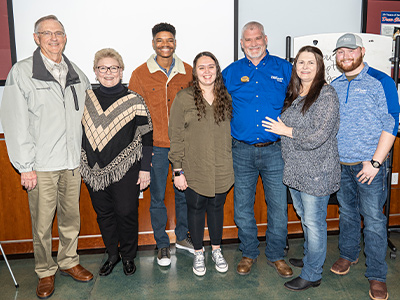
(256, 81)
(256, 96)
(256, 110)
(256, 68)
(257, 139)
(257, 125)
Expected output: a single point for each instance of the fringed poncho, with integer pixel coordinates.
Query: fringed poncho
(117, 133)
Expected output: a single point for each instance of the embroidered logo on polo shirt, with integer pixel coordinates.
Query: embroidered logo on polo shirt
(245, 79)
(360, 91)
(279, 79)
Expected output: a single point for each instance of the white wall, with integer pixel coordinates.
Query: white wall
(201, 25)
(296, 18)
(125, 25)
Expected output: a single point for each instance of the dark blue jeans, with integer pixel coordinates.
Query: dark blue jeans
(158, 211)
(312, 211)
(356, 200)
(248, 163)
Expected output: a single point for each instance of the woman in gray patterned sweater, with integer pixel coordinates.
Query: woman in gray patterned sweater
(308, 127)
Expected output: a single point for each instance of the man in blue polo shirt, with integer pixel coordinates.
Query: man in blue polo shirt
(257, 84)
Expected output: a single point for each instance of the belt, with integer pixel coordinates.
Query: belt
(259, 145)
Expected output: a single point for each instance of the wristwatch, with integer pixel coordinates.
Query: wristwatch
(376, 164)
(178, 173)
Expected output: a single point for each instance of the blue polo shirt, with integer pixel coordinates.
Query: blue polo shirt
(257, 92)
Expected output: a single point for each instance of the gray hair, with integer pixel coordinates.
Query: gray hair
(45, 18)
(252, 25)
(108, 53)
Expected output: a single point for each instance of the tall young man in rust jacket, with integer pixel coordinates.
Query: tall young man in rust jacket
(157, 81)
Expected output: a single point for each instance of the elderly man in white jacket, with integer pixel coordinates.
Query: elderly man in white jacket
(41, 114)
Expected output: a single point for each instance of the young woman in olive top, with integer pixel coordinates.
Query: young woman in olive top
(201, 155)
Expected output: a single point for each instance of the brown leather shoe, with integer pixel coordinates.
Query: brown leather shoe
(378, 290)
(282, 268)
(45, 287)
(78, 273)
(244, 266)
(342, 266)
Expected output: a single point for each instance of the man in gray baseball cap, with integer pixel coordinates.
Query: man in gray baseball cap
(369, 120)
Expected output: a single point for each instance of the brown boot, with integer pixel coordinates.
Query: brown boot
(45, 287)
(378, 290)
(342, 266)
(244, 266)
(282, 268)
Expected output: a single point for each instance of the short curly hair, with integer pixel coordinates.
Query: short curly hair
(105, 53)
(163, 27)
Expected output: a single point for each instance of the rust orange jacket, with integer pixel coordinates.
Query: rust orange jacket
(159, 91)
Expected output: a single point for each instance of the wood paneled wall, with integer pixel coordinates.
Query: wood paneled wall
(15, 223)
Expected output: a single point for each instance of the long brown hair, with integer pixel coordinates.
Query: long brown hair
(294, 87)
(222, 103)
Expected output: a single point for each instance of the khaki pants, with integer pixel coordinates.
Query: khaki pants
(55, 190)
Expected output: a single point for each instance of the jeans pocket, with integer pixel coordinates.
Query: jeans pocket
(235, 142)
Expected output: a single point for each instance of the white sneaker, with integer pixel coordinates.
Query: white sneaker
(164, 257)
(199, 266)
(220, 263)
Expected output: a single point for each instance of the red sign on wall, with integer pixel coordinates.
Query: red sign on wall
(5, 48)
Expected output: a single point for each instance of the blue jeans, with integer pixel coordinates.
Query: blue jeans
(248, 163)
(312, 211)
(158, 211)
(356, 200)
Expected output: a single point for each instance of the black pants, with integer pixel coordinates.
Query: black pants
(197, 207)
(117, 214)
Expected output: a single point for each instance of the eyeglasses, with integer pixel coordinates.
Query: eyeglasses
(58, 34)
(104, 69)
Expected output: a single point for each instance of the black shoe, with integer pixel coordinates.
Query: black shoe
(108, 266)
(129, 267)
(300, 284)
(296, 262)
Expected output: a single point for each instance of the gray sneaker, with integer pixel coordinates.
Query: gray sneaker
(220, 263)
(164, 257)
(185, 244)
(199, 266)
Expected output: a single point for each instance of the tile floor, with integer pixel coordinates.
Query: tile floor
(178, 281)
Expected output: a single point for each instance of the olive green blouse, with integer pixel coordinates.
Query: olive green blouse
(202, 148)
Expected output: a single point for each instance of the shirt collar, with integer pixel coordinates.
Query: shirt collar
(263, 60)
(50, 64)
(154, 67)
(359, 76)
(163, 69)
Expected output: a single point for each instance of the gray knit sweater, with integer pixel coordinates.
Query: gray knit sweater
(311, 156)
